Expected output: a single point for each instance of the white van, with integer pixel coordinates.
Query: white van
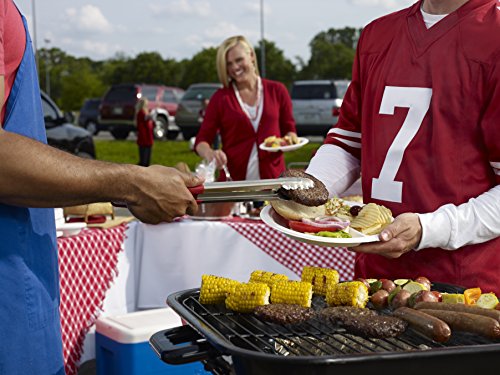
(316, 104)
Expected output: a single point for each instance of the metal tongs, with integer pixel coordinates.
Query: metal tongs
(249, 190)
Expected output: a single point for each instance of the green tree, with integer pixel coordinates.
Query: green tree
(200, 68)
(332, 54)
(278, 67)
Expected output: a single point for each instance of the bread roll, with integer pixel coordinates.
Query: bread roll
(295, 211)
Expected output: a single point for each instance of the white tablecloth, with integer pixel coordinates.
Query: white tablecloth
(174, 256)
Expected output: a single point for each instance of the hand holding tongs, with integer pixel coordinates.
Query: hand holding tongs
(247, 191)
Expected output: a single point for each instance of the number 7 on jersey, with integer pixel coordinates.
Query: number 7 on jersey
(418, 100)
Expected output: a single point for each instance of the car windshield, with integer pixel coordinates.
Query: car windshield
(199, 93)
(313, 91)
(149, 93)
(121, 94)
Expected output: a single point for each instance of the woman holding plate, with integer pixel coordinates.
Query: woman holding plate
(245, 111)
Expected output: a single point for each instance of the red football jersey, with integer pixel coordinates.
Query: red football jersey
(423, 115)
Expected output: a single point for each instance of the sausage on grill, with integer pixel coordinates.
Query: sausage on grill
(459, 307)
(426, 324)
(478, 324)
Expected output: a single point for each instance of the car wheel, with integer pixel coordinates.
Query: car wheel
(120, 133)
(160, 129)
(91, 126)
(172, 135)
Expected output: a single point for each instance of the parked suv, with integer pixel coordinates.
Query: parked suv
(89, 115)
(188, 117)
(62, 134)
(316, 104)
(117, 110)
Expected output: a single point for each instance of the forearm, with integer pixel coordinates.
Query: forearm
(335, 167)
(451, 227)
(37, 175)
(204, 150)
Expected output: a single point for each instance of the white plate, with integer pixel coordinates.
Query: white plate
(70, 229)
(271, 218)
(302, 142)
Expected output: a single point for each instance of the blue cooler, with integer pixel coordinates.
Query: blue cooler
(122, 344)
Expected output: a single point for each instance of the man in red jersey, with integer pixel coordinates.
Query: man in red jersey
(421, 120)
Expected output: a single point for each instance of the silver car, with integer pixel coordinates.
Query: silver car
(188, 116)
(316, 104)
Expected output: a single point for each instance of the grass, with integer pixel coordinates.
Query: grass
(169, 153)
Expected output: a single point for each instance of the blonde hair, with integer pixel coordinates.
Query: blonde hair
(141, 104)
(221, 62)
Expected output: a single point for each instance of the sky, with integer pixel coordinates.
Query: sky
(179, 29)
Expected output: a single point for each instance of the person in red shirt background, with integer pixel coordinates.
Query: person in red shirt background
(245, 111)
(145, 125)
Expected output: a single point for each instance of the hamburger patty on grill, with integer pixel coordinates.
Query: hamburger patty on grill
(315, 196)
(365, 322)
(284, 314)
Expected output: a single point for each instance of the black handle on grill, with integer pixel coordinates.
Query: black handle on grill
(180, 345)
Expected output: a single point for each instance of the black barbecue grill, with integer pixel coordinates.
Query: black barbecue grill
(229, 342)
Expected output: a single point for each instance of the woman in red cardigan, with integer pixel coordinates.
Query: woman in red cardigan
(144, 132)
(245, 111)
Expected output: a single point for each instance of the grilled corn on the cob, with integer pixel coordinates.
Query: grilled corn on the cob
(292, 293)
(320, 278)
(247, 296)
(266, 277)
(351, 293)
(215, 289)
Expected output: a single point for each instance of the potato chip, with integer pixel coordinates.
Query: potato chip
(372, 219)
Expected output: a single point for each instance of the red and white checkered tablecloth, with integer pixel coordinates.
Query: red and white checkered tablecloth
(294, 254)
(87, 266)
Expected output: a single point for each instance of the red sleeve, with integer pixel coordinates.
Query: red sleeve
(211, 121)
(347, 132)
(287, 122)
(2, 31)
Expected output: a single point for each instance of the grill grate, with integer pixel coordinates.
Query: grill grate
(311, 338)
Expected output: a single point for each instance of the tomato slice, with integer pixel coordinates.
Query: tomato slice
(299, 226)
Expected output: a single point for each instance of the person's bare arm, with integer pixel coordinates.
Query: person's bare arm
(36, 175)
(206, 152)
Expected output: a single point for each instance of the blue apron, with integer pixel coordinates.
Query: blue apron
(30, 333)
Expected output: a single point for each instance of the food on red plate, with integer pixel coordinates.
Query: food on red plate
(283, 313)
